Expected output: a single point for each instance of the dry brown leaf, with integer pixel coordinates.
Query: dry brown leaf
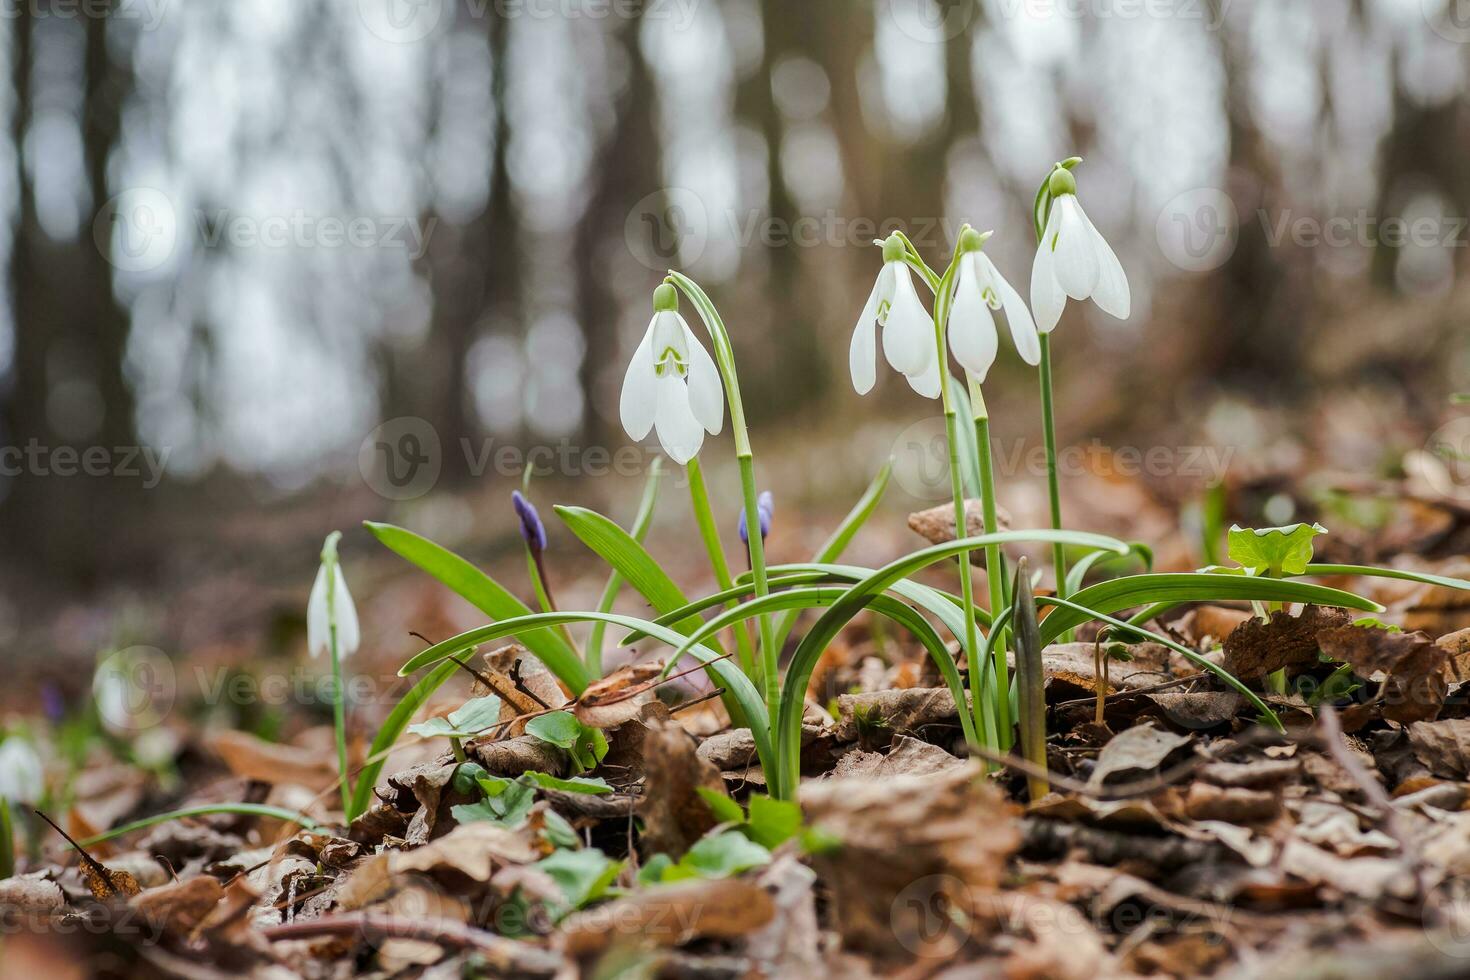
(936, 525)
(1443, 746)
(180, 907)
(897, 712)
(1255, 648)
(907, 757)
(619, 697)
(1415, 687)
(670, 915)
(1205, 801)
(1203, 624)
(1136, 752)
(254, 758)
(31, 894)
(905, 842)
(1456, 646)
(674, 815)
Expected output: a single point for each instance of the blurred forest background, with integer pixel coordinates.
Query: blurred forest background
(240, 237)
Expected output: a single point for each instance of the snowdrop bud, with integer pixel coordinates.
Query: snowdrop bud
(531, 527)
(322, 615)
(765, 508)
(22, 778)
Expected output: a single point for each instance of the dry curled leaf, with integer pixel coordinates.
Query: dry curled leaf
(903, 841)
(180, 907)
(674, 814)
(671, 915)
(1137, 751)
(1255, 648)
(1415, 687)
(619, 697)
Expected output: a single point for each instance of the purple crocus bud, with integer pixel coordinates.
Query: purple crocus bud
(531, 527)
(765, 508)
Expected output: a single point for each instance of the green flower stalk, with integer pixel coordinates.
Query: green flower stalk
(331, 626)
(1074, 261)
(709, 532)
(700, 385)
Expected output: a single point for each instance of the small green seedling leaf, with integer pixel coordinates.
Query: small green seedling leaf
(586, 744)
(470, 719)
(466, 778)
(720, 856)
(506, 802)
(558, 832)
(586, 785)
(582, 875)
(773, 822)
(725, 809)
(560, 728)
(654, 868)
(1374, 623)
(1274, 551)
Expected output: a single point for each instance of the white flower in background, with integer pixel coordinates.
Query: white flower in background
(22, 778)
(1074, 260)
(318, 617)
(908, 331)
(980, 289)
(672, 384)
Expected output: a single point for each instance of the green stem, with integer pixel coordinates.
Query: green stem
(1049, 429)
(541, 585)
(709, 531)
(770, 655)
(957, 491)
(339, 715)
(246, 809)
(994, 569)
(724, 355)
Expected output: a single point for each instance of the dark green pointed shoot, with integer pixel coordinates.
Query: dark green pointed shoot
(1030, 696)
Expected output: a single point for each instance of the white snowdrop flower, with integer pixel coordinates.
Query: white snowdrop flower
(319, 618)
(1074, 260)
(672, 384)
(22, 778)
(979, 290)
(908, 331)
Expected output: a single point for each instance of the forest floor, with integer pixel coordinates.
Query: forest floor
(1180, 837)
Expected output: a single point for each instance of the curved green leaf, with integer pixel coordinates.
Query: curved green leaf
(487, 595)
(787, 735)
(817, 597)
(1148, 590)
(1372, 571)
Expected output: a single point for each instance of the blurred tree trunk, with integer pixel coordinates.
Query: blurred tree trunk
(628, 169)
(69, 329)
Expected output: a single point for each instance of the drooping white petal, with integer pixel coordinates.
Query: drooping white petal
(971, 326)
(907, 334)
(926, 382)
(318, 636)
(1112, 294)
(679, 432)
(1074, 250)
(706, 392)
(22, 778)
(1018, 317)
(862, 354)
(1047, 297)
(349, 634)
(639, 402)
